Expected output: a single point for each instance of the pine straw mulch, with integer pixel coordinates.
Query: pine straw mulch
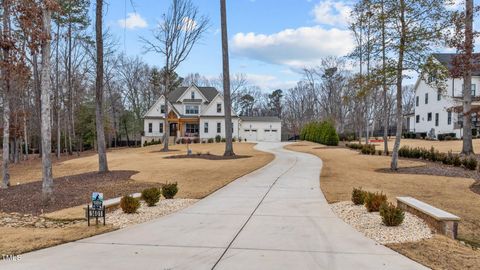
(209, 157)
(69, 191)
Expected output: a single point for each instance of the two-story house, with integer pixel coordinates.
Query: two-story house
(438, 111)
(199, 112)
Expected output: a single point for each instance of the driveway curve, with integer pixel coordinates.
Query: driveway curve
(273, 218)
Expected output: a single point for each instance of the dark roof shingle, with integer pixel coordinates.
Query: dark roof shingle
(261, 118)
(209, 92)
(446, 59)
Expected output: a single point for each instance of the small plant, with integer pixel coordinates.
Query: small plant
(151, 196)
(210, 140)
(129, 204)
(368, 149)
(218, 138)
(470, 162)
(379, 152)
(391, 214)
(373, 201)
(456, 161)
(169, 190)
(223, 140)
(358, 196)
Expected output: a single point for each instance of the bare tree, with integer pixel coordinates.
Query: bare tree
(181, 28)
(6, 93)
(226, 82)
(101, 147)
(46, 91)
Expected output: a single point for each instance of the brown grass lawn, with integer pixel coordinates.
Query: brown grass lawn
(196, 179)
(344, 169)
(441, 146)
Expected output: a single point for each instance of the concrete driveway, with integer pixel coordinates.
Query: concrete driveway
(273, 218)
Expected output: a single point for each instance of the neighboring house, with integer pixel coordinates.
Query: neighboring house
(199, 113)
(437, 112)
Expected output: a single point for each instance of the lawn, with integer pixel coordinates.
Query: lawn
(196, 179)
(344, 169)
(442, 146)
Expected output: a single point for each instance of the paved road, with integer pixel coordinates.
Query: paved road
(274, 218)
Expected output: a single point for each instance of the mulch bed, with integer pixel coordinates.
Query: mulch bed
(209, 157)
(69, 191)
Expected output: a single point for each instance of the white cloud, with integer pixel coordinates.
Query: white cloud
(134, 20)
(188, 24)
(295, 48)
(332, 12)
(269, 82)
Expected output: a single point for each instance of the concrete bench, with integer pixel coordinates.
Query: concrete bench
(116, 201)
(442, 221)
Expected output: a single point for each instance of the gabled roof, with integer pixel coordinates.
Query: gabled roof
(208, 92)
(261, 118)
(446, 59)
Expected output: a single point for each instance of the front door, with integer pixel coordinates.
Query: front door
(173, 129)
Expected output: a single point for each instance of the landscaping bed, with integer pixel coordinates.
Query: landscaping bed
(69, 191)
(370, 224)
(208, 156)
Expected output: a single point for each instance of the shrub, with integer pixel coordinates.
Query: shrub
(169, 190)
(223, 140)
(354, 146)
(320, 132)
(151, 196)
(234, 139)
(210, 140)
(129, 204)
(368, 149)
(456, 161)
(218, 138)
(391, 214)
(358, 196)
(470, 162)
(373, 201)
(379, 152)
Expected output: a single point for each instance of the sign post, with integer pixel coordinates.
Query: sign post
(97, 209)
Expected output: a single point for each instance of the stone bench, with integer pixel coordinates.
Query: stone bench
(116, 201)
(442, 221)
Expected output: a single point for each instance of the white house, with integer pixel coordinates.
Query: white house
(198, 113)
(435, 110)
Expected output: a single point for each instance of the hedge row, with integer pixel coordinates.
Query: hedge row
(320, 132)
(468, 162)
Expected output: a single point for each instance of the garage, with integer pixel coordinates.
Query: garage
(260, 128)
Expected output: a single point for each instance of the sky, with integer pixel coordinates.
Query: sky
(270, 40)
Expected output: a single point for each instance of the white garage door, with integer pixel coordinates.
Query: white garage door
(270, 135)
(251, 134)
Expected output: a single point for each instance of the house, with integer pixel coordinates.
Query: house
(198, 113)
(438, 112)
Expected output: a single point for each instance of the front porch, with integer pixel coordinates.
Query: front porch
(183, 127)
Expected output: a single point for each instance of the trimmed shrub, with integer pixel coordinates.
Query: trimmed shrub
(223, 140)
(358, 196)
(391, 214)
(151, 196)
(210, 140)
(320, 132)
(373, 201)
(457, 162)
(129, 204)
(169, 190)
(368, 149)
(218, 138)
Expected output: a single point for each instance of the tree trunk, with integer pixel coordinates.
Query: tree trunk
(102, 150)
(467, 80)
(226, 82)
(6, 98)
(384, 86)
(57, 95)
(45, 88)
(396, 146)
(166, 126)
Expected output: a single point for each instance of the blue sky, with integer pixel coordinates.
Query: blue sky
(270, 40)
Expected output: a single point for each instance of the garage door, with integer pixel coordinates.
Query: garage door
(251, 134)
(270, 135)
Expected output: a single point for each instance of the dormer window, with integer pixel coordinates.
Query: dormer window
(191, 109)
(192, 95)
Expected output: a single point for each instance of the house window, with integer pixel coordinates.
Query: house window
(417, 118)
(436, 119)
(150, 127)
(160, 128)
(192, 95)
(191, 129)
(426, 98)
(205, 127)
(439, 95)
(417, 101)
(449, 118)
(191, 109)
(219, 127)
(219, 107)
(162, 108)
(474, 89)
(429, 116)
